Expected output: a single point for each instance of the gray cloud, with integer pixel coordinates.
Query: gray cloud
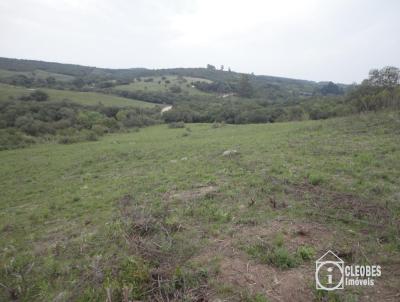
(317, 40)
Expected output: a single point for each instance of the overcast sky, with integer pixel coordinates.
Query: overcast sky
(337, 40)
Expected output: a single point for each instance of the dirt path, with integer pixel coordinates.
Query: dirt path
(165, 109)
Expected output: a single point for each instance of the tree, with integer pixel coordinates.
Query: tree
(387, 77)
(330, 88)
(50, 80)
(245, 88)
(39, 96)
(210, 67)
(78, 82)
(175, 89)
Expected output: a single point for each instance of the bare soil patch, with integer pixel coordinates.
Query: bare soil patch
(195, 193)
(322, 199)
(239, 271)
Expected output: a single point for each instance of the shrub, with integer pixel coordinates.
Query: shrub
(175, 89)
(12, 139)
(39, 96)
(216, 125)
(99, 129)
(176, 125)
(68, 140)
(91, 136)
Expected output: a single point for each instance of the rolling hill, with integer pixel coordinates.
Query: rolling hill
(277, 89)
(83, 98)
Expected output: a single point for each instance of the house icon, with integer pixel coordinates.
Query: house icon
(329, 272)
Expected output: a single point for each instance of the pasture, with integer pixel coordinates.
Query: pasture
(161, 213)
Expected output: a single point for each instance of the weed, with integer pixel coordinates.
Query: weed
(275, 255)
(306, 252)
(315, 179)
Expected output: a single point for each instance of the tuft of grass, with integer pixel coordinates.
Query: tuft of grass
(278, 256)
(315, 179)
(256, 298)
(306, 252)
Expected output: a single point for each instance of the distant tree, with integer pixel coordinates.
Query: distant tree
(330, 88)
(106, 84)
(218, 87)
(387, 77)
(222, 68)
(50, 80)
(39, 96)
(210, 67)
(175, 89)
(245, 88)
(22, 80)
(78, 82)
(229, 69)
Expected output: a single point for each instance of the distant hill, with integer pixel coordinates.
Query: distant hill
(267, 87)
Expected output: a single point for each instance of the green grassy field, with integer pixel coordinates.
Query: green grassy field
(161, 215)
(160, 85)
(84, 98)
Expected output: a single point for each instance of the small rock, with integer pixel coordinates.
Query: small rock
(184, 158)
(173, 161)
(229, 152)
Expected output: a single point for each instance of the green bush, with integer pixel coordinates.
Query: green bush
(12, 139)
(65, 121)
(99, 129)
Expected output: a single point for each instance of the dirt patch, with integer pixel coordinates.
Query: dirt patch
(295, 234)
(238, 270)
(290, 285)
(322, 199)
(191, 194)
(386, 287)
